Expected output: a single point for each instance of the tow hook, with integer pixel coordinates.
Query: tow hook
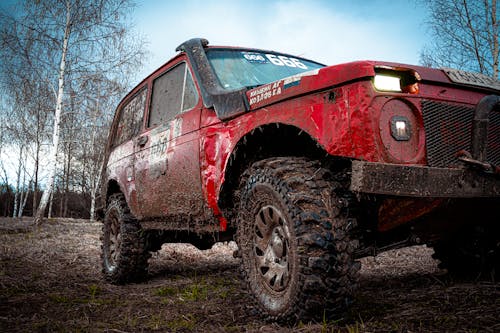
(486, 167)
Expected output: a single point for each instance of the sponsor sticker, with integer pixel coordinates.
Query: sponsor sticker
(254, 57)
(265, 92)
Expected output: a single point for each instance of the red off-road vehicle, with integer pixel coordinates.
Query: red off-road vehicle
(306, 166)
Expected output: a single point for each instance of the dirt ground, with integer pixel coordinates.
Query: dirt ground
(50, 281)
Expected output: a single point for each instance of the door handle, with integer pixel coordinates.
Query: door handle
(141, 142)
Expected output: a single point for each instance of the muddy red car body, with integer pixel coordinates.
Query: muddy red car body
(404, 152)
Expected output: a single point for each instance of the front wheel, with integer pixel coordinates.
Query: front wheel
(124, 254)
(293, 236)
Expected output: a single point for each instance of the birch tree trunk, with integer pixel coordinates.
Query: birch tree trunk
(37, 159)
(94, 176)
(51, 202)
(95, 180)
(18, 183)
(24, 201)
(93, 196)
(16, 197)
(24, 194)
(57, 122)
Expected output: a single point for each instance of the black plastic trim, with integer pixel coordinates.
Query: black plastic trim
(227, 104)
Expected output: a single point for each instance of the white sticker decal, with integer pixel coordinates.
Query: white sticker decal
(265, 92)
(254, 57)
(163, 140)
(285, 61)
(159, 145)
(276, 88)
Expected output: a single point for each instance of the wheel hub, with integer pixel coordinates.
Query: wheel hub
(277, 244)
(272, 245)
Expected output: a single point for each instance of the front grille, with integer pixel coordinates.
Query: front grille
(448, 130)
(493, 151)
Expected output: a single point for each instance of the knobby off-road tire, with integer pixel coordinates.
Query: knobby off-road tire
(123, 252)
(293, 237)
(473, 252)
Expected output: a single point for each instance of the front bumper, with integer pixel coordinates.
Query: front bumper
(422, 181)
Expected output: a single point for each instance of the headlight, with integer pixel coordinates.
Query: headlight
(387, 83)
(396, 79)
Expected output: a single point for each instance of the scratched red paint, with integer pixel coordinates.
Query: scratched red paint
(337, 106)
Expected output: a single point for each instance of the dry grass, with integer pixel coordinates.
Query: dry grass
(50, 282)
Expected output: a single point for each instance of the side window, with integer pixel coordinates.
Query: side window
(173, 93)
(130, 121)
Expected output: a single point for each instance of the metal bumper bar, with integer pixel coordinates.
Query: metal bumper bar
(421, 181)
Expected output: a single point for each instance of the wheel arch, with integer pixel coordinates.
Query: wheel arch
(112, 187)
(269, 140)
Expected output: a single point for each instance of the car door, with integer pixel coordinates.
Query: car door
(167, 170)
(126, 127)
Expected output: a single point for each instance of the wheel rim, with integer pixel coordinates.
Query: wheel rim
(114, 240)
(272, 248)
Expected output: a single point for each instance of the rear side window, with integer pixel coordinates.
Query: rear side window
(173, 93)
(131, 116)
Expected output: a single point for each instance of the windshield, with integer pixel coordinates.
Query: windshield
(236, 69)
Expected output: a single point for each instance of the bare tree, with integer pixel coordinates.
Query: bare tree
(25, 119)
(103, 97)
(465, 35)
(64, 41)
(57, 113)
(17, 135)
(3, 130)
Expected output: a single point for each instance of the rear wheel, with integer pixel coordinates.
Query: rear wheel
(124, 254)
(293, 236)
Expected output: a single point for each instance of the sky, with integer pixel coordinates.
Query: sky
(330, 32)
(327, 31)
